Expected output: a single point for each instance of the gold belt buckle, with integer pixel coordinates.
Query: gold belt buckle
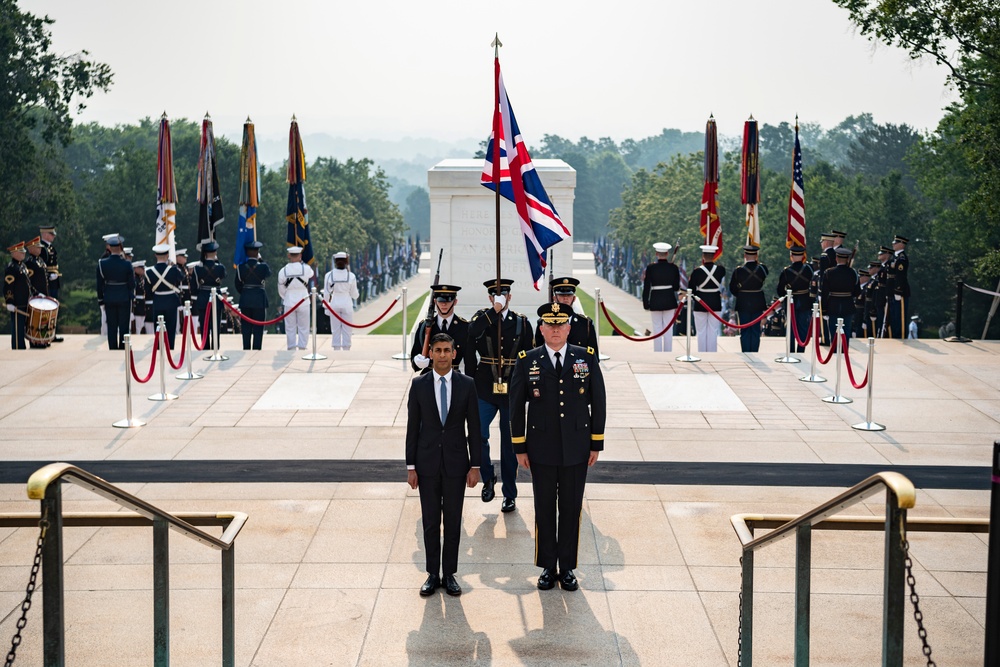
(499, 387)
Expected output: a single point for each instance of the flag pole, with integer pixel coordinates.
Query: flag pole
(496, 183)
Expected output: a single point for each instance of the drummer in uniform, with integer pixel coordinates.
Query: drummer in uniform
(207, 275)
(165, 285)
(16, 292)
(51, 258)
(139, 298)
(115, 291)
(582, 330)
(445, 321)
(250, 277)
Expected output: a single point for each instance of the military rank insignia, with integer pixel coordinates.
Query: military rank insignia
(580, 369)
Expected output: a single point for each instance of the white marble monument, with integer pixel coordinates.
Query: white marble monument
(463, 222)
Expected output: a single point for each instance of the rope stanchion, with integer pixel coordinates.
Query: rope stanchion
(129, 422)
(161, 332)
(814, 328)
(837, 397)
(597, 320)
(170, 358)
(850, 371)
(638, 339)
(204, 328)
(262, 323)
(868, 424)
(801, 342)
(733, 325)
(314, 328)
(362, 326)
(152, 362)
(215, 356)
(789, 318)
(688, 301)
(403, 355)
(833, 348)
(188, 329)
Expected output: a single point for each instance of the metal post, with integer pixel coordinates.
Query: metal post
(992, 658)
(190, 374)
(803, 585)
(404, 355)
(161, 330)
(868, 424)
(161, 593)
(788, 358)
(215, 356)
(689, 305)
(314, 355)
(812, 377)
(128, 422)
(597, 320)
(746, 611)
(958, 337)
(53, 606)
(229, 607)
(838, 337)
(893, 596)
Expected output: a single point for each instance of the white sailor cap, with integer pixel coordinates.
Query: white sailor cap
(127, 251)
(161, 248)
(181, 252)
(294, 250)
(140, 263)
(340, 255)
(709, 248)
(662, 247)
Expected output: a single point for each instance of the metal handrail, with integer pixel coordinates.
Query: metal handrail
(864, 523)
(40, 480)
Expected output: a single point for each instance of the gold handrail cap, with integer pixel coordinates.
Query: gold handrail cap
(41, 478)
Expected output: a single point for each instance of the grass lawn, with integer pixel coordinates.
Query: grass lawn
(585, 304)
(394, 324)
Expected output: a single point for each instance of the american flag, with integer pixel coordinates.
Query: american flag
(796, 199)
(506, 154)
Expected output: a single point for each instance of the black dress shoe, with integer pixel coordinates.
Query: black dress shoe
(567, 581)
(57, 339)
(431, 585)
(451, 586)
(508, 505)
(548, 580)
(488, 492)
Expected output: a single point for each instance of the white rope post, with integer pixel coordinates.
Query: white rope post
(404, 355)
(812, 377)
(128, 422)
(189, 325)
(314, 356)
(597, 320)
(837, 398)
(161, 331)
(215, 356)
(689, 304)
(788, 358)
(868, 424)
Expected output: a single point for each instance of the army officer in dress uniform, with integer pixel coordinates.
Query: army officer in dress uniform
(250, 277)
(840, 287)
(16, 292)
(207, 275)
(557, 436)
(747, 285)
(899, 301)
(115, 291)
(445, 321)
(797, 277)
(582, 330)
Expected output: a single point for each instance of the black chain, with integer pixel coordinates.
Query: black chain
(918, 615)
(739, 632)
(29, 591)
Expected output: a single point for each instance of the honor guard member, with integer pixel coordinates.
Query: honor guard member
(293, 286)
(16, 292)
(340, 289)
(139, 299)
(38, 274)
(899, 301)
(830, 250)
(115, 291)
(207, 275)
(582, 330)
(706, 284)
(181, 259)
(490, 363)
(250, 277)
(747, 285)
(862, 325)
(165, 284)
(558, 410)
(107, 253)
(660, 283)
(840, 287)
(883, 290)
(797, 276)
(445, 321)
(127, 253)
(51, 259)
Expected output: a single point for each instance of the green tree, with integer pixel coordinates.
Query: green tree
(417, 212)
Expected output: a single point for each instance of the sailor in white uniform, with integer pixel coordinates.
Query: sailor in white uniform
(340, 288)
(293, 286)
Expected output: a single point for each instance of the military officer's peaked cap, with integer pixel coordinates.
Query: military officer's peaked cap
(843, 252)
(662, 247)
(49, 229)
(444, 289)
(872, 265)
(554, 313)
(161, 249)
(838, 234)
(33, 242)
(140, 264)
(797, 250)
(105, 237)
(17, 247)
(864, 272)
(901, 239)
(750, 250)
(253, 245)
(210, 246)
(705, 249)
(113, 241)
(340, 255)
(884, 250)
(181, 252)
(828, 235)
(565, 285)
(127, 251)
(491, 285)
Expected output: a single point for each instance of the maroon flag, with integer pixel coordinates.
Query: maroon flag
(710, 225)
(750, 180)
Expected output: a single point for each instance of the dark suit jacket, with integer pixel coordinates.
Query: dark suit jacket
(450, 449)
(574, 406)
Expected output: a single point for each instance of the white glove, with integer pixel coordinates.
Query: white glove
(500, 299)
(11, 307)
(53, 276)
(420, 361)
(899, 297)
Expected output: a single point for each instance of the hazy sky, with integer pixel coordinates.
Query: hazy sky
(394, 68)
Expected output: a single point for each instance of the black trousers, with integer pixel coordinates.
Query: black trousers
(17, 339)
(119, 316)
(557, 534)
(750, 337)
(441, 495)
(253, 334)
(169, 319)
(199, 311)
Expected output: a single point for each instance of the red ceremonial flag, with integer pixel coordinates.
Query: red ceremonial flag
(710, 225)
(166, 190)
(750, 181)
(797, 198)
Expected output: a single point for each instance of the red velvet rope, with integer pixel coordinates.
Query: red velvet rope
(850, 373)
(795, 326)
(833, 345)
(170, 358)
(152, 363)
(733, 325)
(329, 309)
(607, 316)
(266, 323)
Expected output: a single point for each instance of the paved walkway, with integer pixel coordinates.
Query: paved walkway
(328, 572)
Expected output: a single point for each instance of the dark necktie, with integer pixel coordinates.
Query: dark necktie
(444, 326)
(558, 363)
(444, 400)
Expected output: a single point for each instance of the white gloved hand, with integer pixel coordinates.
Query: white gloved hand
(420, 361)
(11, 307)
(500, 299)
(53, 276)
(899, 297)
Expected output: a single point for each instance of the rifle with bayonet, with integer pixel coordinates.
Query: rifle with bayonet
(429, 320)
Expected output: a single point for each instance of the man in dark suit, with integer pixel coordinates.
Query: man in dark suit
(250, 277)
(445, 321)
(442, 457)
(747, 285)
(165, 284)
(115, 291)
(208, 274)
(557, 436)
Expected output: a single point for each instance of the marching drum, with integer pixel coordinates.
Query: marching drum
(43, 312)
